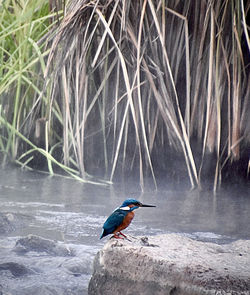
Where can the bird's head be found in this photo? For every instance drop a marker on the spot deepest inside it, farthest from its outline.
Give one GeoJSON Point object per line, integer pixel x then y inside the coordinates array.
{"type": "Point", "coordinates": [131, 203]}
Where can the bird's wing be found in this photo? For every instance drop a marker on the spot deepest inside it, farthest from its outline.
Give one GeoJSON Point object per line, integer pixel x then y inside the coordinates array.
{"type": "Point", "coordinates": [114, 220]}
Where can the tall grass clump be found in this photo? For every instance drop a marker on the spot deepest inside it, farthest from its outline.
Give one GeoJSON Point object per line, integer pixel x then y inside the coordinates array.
{"type": "Point", "coordinates": [137, 81]}
{"type": "Point", "coordinates": [23, 105]}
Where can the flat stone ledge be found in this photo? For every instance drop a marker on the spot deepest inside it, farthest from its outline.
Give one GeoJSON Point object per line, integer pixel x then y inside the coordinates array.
{"type": "Point", "coordinates": [171, 264]}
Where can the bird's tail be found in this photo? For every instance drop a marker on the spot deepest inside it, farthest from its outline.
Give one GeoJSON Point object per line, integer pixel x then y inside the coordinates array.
{"type": "Point", "coordinates": [102, 234]}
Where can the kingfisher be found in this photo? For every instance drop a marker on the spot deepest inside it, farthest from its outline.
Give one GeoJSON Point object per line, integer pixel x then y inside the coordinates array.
{"type": "Point", "coordinates": [121, 218]}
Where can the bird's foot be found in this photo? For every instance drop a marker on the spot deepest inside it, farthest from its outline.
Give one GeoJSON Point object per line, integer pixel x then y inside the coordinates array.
{"type": "Point", "coordinates": [121, 236]}
{"type": "Point", "coordinates": [115, 236]}
{"type": "Point", "coordinates": [120, 233]}
{"type": "Point", "coordinates": [125, 236]}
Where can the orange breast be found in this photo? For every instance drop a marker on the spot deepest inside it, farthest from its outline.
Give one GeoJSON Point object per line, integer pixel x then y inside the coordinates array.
{"type": "Point", "coordinates": [126, 222]}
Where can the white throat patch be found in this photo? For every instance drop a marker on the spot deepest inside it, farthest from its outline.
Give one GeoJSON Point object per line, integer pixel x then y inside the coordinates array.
{"type": "Point", "coordinates": [127, 208]}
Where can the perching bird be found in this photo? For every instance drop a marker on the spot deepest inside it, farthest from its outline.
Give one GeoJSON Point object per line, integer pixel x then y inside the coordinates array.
{"type": "Point", "coordinates": [121, 218]}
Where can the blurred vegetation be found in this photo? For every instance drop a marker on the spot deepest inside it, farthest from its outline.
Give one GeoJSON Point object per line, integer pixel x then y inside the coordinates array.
{"type": "Point", "coordinates": [116, 87]}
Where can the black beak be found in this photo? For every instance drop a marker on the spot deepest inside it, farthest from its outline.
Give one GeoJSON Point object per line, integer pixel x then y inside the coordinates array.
{"type": "Point", "coordinates": [144, 205]}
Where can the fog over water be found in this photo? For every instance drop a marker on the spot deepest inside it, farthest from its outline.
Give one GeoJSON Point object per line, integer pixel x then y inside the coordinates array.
{"type": "Point", "coordinates": [73, 213]}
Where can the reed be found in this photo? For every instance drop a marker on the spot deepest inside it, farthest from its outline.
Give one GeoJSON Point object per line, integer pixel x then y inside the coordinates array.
{"type": "Point", "coordinates": [128, 83]}
{"type": "Point", "coordinates": [23, 23]}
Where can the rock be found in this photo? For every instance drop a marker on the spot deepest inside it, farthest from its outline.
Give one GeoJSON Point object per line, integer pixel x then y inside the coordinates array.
{"type": "Point", "coordinates": [171, 264]}
{"type": "Point", "coordinates": [77, 266]}
{"type": "Point", "coordinates": [9, 222]}
{"type": "Point", "coordinates": [16, 269]}
{"type": "Point", "coordinates": [39, 244]}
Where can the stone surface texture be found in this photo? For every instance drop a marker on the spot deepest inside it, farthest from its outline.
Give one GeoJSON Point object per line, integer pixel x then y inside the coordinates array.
{"type": "Point", "coordinates": [171, 264]}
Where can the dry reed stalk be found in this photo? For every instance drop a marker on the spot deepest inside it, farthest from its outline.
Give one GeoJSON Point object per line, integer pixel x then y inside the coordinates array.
{"type": "Point", "coordinates": [188, 75]}
{"type": "Point", "coordinates": [185, 141]}
{"type": "Point", "coordinates": [138, 59]}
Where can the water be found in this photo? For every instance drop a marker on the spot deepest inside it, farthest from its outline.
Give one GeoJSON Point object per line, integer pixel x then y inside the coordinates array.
{"type": "Point", "coordinates": [73, 213]}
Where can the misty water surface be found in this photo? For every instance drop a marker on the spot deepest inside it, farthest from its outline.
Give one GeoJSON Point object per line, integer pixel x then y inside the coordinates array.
{"type": "Point", "coordinates": [76, 210]}
{"type": "Point", "coordinates": [73, 213]}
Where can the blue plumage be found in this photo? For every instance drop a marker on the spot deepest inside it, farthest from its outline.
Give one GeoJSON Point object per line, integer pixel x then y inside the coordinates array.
{"type": "Point", "coordinates": [121, 217]}
{"type": "Point", "coordinates": [130, 202]}
{"type": "Point", "coordinates": [113, 221]}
